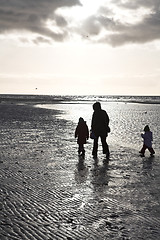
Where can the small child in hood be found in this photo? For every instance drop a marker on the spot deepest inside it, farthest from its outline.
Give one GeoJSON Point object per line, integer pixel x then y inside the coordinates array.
{"type": "Point", "coordinates": [147, 141]}
{"type": "Point", "coordinates": [82, 134]}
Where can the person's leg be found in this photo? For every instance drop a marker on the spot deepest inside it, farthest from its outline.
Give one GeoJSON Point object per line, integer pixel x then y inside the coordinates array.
{"type": "Point", "coordinates": [95, 147]}
{"type": "Point", "coordinates": [105, 146]}
{"type": "Point", "coordinates": [83, 151]}
{"type": "Point", "coordinates": [143, 150]}
{"type": "Point", "coordinates": [79, 148]}
{"type": "Point", "coordinates": [151, 151]}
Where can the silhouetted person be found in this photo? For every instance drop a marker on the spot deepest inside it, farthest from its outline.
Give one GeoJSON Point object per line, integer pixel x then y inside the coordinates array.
{"type": "Point", "coordinates": [82, 133]}
{"type": "Point", "coordinates": [100, 128]}
{"type": "Point", "coordinates": [147, 141]}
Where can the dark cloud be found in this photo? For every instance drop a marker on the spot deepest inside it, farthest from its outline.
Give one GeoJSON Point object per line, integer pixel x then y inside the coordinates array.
{"type": "Point", "coordinates": [116, 32]}
{"type": "Point", "coordinates": [41, 40]}
{"type": "Point", "coordinates": [90, 27]}
{"type": "Point", "coordinates": [154, 4]}
{"type": "Point", "coordinates": [31, 15]}
{"type": "Point", "coordinates": [146, 30]}
{"type": "Point", "coordinates": [60, 21]}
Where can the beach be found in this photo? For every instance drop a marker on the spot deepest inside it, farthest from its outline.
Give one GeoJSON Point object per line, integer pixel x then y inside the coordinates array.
{"type": "Point", "coordinates": [49, 192]}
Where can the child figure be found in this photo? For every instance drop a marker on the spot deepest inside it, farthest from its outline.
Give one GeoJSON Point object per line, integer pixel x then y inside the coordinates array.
{"type": "Point", "coordinates": [147, 136]}
{"type": "Point", "coordinates": [82, 133]}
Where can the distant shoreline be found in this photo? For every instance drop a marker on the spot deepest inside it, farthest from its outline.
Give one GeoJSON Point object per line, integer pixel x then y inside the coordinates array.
{"type": "Point", "coordinates": [65, 99]}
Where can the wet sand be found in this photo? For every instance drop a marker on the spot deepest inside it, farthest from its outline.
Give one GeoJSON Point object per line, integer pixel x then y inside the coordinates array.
{"type": "Point", "coordinates": [48, 192]}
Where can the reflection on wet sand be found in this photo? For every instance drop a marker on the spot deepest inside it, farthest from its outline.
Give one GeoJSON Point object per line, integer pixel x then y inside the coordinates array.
{"type": "Point", "coordinates": [147, 165]}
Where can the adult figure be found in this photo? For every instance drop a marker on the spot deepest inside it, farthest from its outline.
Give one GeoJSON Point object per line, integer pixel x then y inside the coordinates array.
{"type": "Point", "coordinates": [100, 128]}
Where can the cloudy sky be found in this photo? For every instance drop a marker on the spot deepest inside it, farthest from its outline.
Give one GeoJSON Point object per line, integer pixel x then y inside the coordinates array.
{"type": "Point", "coordinates": [80, 47]}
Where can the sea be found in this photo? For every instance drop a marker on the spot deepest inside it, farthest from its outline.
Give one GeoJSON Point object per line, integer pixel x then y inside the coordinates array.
{"type": "Point", "coordinates": [80, 98]}
{"type": "Point", "coordinates": [128, 114]}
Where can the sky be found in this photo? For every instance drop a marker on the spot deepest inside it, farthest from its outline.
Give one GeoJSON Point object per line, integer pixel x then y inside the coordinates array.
{"type": "Point", "coordinates": [70, 47]}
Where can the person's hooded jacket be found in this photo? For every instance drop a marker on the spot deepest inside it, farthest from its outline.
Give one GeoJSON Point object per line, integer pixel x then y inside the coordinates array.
{"type": "Point", "coordinates": [82, 132]}
{"type": "Point", "coordinates": [100, 121]}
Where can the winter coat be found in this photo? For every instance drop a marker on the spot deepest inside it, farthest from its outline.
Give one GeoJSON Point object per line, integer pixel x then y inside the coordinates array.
{"type": "Point", "coordinates": [82, 132]}
{"type": "Point", "coordinates": [148, 138]}
{"type": "Point", "coordinates": [100, 122]}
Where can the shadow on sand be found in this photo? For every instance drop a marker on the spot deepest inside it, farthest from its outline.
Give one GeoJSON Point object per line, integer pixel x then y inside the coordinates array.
{"type": "Point", "coordinates": [82, 172]}
{"type": "Point", "coordinates": [100, 176]}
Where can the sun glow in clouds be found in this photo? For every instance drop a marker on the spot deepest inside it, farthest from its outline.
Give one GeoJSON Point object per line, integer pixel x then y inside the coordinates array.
{"type": "Point", "coordinates": [91, 8]}
{"type": "Point", "coordinates": [96, 20]}
{"type": "Point", "coordinates": [88, 8]}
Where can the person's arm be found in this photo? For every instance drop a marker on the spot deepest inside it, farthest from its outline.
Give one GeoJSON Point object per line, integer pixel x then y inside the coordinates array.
{"type": "Point", "coordinates": [106, 119]}
{"type": "Point", "coordinates": [87, 131]}
{"type": "Point", "coordinates": [76, 132]}
{"type": "Point", "coordinates": [151, 137]}
{"type": "Point", "coordinates": [92, 122]}
{"type": "Point", "coordinates": [142, 135]}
